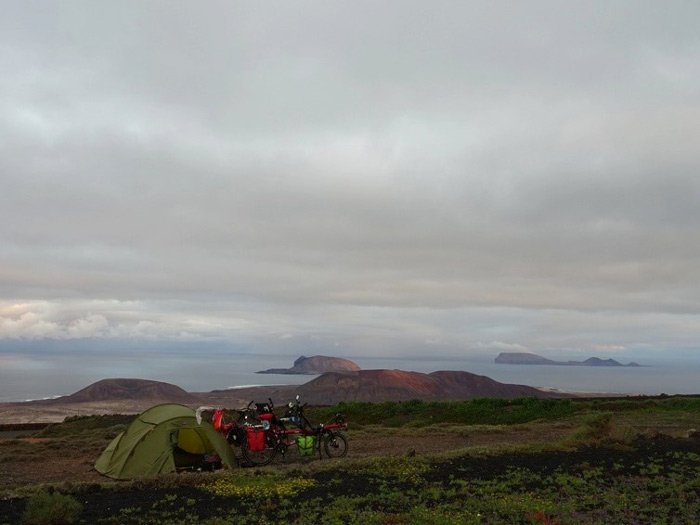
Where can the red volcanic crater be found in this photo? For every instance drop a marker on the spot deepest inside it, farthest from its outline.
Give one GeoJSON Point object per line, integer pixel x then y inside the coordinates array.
{"type": "Point", "coordinates": [400, 385]}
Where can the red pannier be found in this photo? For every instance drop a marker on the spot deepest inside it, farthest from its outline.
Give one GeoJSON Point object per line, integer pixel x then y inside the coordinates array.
{"type": "Point", "coordinates": [256, 439]}
{"type": "Point", "coordinates": [217, 421]}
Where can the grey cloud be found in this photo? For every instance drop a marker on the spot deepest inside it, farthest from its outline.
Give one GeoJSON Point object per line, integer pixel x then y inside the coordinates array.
{"type": "Point", "coordinates": [282, 161]}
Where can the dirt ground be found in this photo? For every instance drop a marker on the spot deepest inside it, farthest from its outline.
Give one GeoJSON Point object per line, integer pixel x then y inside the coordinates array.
{"type": "Point", "coordinates": [661, 451]}
{"type": "Point", "coordinates": [46, 460]}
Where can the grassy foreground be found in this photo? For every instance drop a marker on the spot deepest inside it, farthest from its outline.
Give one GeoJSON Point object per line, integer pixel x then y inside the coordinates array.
{"type": "Point", "coordinates": [590, 461]}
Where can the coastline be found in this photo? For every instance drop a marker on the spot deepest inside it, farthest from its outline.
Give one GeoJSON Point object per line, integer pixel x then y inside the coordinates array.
{"type": "Point", "coordinates": [54, 411]}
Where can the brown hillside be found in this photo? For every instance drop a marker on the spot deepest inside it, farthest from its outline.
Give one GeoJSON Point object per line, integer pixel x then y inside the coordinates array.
{"type": "Point", "coordinates": [129, 396]}
{"type": "Point", "coordinates": [128, 389]}
{"type": "Point", "coordinates": [472, 385]}
{"type": "Point", "coordinates": [399, 385]}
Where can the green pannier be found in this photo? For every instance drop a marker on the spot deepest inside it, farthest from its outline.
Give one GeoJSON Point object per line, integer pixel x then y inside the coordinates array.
{"type": "Point", "coordinates": [305, 444]}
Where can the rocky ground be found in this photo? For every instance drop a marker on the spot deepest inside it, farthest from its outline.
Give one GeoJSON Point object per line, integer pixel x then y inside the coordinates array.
{"type": "Point", "coordinates": [617, 461]}
{"type": "Point", "coordinates": [529, 479]}
{"type": "Point", "coordinates": [54, 460]}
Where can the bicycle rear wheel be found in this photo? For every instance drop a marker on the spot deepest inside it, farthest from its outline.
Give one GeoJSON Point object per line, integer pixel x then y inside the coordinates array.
{"type": "Point", "coordinates": [335, 444]}
{"type": "Point", "coordinates": [258, 458]}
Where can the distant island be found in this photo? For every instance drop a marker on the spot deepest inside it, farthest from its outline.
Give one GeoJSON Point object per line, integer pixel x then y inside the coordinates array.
{"type": "Point", "coordinates": [525, 358]}
{"type": "Point", "coordinates": [318, 364]}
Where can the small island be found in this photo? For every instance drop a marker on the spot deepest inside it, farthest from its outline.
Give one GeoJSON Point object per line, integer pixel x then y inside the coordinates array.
{"type": "Point", "coordinates": [318, 364]}
{"type": "Point", "coordinates": [526, 358]}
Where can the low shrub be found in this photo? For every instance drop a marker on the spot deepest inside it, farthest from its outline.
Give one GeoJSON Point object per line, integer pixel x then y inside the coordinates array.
{"type": "Point", "coordinates": [596, 427]}
{"type": "Point", "coordinates": [52, 508]}
{"type": "Point", "coordinates": [75, 425]}
{"type": "Point", "coordinates": [484, 411]}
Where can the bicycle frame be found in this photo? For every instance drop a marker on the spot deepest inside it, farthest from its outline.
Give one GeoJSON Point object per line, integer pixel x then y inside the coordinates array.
{"type": "Point", "coordinates": [304, 428]}
{"type": "Point", "coordinates": [277, 437]}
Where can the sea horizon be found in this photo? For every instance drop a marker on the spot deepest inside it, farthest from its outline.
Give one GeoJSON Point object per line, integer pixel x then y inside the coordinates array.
{"type": "Point", "coordinates": [38, 378]}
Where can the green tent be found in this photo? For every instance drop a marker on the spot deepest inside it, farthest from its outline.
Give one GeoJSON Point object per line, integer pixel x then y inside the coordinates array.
{"type": "Point", "coordinates": [162, 439]}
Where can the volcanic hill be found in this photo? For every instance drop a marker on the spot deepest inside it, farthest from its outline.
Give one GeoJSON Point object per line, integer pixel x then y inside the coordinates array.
{"type": "Point", "coordinates": [128, 389]}
{"type": "Point", "coordinates": [400, 385]}
{"type": "Point", "coordinates": [128, 396]}
{"type": "Point", "coordinates": [317, 364]}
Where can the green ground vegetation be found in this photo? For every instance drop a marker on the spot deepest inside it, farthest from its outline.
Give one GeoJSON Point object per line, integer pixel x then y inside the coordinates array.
{"type": "Point", "coordinates": [624, 461]}
{"type": "Point", "coordinates": [489, 411]}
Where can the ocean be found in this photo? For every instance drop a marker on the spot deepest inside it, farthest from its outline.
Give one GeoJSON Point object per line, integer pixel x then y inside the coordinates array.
{"type": "Point", "coordinates": [25, 376]}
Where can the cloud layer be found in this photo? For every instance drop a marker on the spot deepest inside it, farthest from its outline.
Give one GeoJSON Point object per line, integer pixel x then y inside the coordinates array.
{"type": "Point", "coordinates": [381, 176]}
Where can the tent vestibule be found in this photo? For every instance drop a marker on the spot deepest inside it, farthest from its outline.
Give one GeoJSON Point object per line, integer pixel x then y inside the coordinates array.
{"type": "Point", "coordinates": [162, 439]}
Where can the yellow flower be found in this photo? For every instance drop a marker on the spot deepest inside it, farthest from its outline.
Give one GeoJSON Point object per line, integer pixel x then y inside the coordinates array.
{"type": "Point", "coordinates": [258, 487]}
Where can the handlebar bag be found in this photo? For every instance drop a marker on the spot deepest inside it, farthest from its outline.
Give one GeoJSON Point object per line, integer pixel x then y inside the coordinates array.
{"type": "Point", "coordinates": [305, 445]}
{"type": "Point", "coordinates": [256, 439]}
{"type": "Point", "coordinates": [268, 416]}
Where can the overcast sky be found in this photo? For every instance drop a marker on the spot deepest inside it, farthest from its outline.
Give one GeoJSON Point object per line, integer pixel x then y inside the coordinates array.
{"type": "Point", "coordinates": [352, 178]}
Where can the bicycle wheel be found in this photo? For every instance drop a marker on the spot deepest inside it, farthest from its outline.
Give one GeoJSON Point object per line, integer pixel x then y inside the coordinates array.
{"type": "Point", "coordinates": [258, 458]}
{"type": "Point", "coordinates": [335, 444]}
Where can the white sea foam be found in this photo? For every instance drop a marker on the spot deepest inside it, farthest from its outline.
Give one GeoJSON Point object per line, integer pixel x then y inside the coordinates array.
{"type": "Point", "coordinates": [44, 398]}
{"type": "Point", "coordinates": [238, 387]}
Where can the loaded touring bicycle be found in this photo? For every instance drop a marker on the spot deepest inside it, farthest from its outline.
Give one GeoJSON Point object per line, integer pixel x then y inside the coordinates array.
{"type": "Point", "coordinates": [261, 435]}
